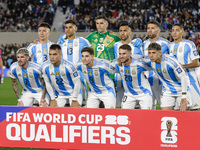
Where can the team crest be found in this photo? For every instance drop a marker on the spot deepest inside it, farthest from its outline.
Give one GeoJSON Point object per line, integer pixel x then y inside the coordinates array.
{"type": "Point", "coordinates": [158, 69]}
{"type": "Point", "coordinates": [30, 75]}
{"type": "Point", "coordinates": [25, 75]}
{"type": "Point", "coordinates": [164, 71]}
{"type": "Point", "coordinates": [96, 73]}
{"type": "Point", "coordinates": [133, 72]}
{"type": "Point", "coordinates": [19, 75]}
{"type": "Point", "coordinates": [121, 71]}
{"type": "Point", "coordinates": [70, 44]}
{"type": "Point", "coordinates": [180, 50]}
{"type": "Point", "coordinates": [52, 74]}
{"type": "Point", "coordinates": [44, 50]}
{"type": "Point", "coordinates": [62, 74]}
{"type": "Point", "coordinates": [127, 71]}
{"type": "Point", "coordinates": [175, 50]}
{"type": "Point", "coordinates": [101, 40]}
{"type": "Point", "coordinates": [84, 72]}
{"type": "Point", "coordinates": [75, 43]}
{"type": "Point", "coordinates": [57, 73]}
{"type": "Point", "coordinates": [39, 51]}
{"type": "Point", "coordinates": [90, 72]}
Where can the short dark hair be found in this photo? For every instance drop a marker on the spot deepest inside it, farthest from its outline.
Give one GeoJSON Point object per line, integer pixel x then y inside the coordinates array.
{"type": "Point", "coordinates": [178, 24]}
{"type": "Point", "coordinates": [55, 46]}
{"type": "Point", "coordinates": [126, 47]}
{"type": "Point", "coordinates": [44, 24]}
{"type": "Point", "coordinates": [154, 22]}
{"type": "Point", "coordinates": [154, 46]}
{"type": "Point", "coordinates": [70, 21]}
{"type": "Point", "coordinates": [102, 17]}
{"type": "Point", "coordinates": [88, 49]}
{"type": "Point", "coordinates": [124, 23]}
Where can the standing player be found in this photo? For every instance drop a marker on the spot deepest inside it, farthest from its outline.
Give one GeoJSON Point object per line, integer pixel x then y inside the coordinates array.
{"type": "Point", "coordinates": [29, 75]}
{"type": "Point", "coordinates": [39, 52]}
{"type": "Point", "coordinates": [137, 88]}
{"type": "Point", "coordinates": [186, 53]}
{"type": "Point", "coordinates": [153, 30]}
{"type": "Point", "coordinates": [175, 91]}
{"type": "Point", "coordinates": [125, 35]}
{"type": "Point", "coordinates": [96, 72]}
{"type": "Point", "coordinates": [1, 67]}
{"type": "Point", "coordinates": [72, 46]}
{"type": "Point", "coordinates": [62, 79]}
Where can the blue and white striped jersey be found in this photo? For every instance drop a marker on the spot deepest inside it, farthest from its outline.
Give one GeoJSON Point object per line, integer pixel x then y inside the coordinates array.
{"type": "Point", "coordinates": [62, 39]}
{"type": "Point", "coordinates": [164, 49]}
{"type": "Point", "coordinates": [30, 78]}
{"type": "Point", "coordinates": [163, 43]}
{"type": "Point", "coordinates": [135, 50]}
{"type": "Point", "coordinates": [71, 49]}
{"type": "Point", "coordinates": [39, 53]}
{"type": "Point", "coordinates": [133, 77]}
{"type": "Point", "coordinates": [169, 71]}
{"type": "Point", "coordinates": [97, 76]}
{"type": "Point", "coordinates": [60, 80]}
{"type": "Point", "coordinates": [185, 51]}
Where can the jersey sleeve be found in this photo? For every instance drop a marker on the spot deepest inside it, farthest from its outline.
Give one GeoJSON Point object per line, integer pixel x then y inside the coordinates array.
{"type": "Point", "coordinates": [165, 48]}
{"type": "Point", "coordinates": [193, 51]}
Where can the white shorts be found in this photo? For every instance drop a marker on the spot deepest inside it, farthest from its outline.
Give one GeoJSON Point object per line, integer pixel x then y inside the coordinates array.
{"type": "Point", "coordinates": [94, 99]}
{"type": "Point", "coordinates": [29, 98]}
{"type": "Point", "coordinates": [119, 89]}
{"type": "Point", "coordinates": [129, 101]}
{"type": "Point", "coordinates": [168, 100]}
{"type": "Point", "coordinates": [62, 100]}
{"type": "Point", "coordinates": [195, 98]}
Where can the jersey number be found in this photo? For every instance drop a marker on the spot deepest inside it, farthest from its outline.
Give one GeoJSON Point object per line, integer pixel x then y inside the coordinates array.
{"type": "Point", "coordinates": [45, 58]}
{"type": "Point", "coordinates": [69, 51]}
{"type": "Point", "coordinates": [59, 81]}
{"type": "Point", "coordinates": [128, 78]}
{"type": "Point", "coordinates": [100, 47]}
{"type": "Point", "coordinates": [91, 79]}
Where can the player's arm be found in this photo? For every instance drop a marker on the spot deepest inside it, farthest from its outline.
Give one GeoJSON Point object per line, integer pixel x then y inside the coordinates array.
{"type": "Point", "coordinates": [16, 90]}
{"type": "Point", "coordinates": [137, 42]}
{"type": "Point", "coordinates": [43, 102]}
{"type": "Point", "coordinates": [75, 94]}
{"type": "Point", "coordinates": [194, 64]}
{"type": "Point", "coordinates": [1, 67]}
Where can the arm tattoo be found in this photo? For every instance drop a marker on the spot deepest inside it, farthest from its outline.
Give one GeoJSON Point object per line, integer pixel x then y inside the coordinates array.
{"type": "Point", "coordinates": [15, 88]}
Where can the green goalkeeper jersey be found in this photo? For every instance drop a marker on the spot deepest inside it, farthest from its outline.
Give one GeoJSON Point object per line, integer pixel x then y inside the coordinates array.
{"type": "Point", "coordinates": [103, 44]}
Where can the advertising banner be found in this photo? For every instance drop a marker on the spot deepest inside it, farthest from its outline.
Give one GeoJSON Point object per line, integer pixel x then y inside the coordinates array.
{"type": "Point", "coordinates": [84, 128]}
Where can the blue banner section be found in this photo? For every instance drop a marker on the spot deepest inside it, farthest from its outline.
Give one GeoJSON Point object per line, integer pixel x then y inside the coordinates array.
{"type": "Point", "coordinates": [4, 109]}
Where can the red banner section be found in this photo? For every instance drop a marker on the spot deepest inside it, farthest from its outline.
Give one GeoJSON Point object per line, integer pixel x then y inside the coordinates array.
{"type": "Point", "coordinates": [84, 128]}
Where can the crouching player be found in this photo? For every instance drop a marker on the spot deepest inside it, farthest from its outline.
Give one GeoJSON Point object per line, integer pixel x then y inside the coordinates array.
{"type": "Point", "coordinates": [176, 90]}
{"type": "Point", "coordinates": [96, 72]}
{"type": "Point", "coordinates": [136, 86]}
{"type": "Point", "coordinates": [29, 75]}
{"type": "Point", "coordinates": [62, 80]}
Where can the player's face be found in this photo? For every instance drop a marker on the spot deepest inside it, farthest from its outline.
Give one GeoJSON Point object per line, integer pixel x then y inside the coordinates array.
{"type": "Point", "coordinates": [101, 25]}
{"type": "Point", "coordinates": [152, 31]}
{"type": "Point", "coordinates": [43, 33]}
{"type": "Point", "coordinates": [177, 33]}
{"type": "Point", "coordinates": [124, 32]}
{"type": "Point", "coordinates": [22, 60]}
{"type": "Point", "coordinates": [70, 29]}
{"type": "Point", "coordinates": [55, 57]}
{"type": "Point", "coordinates": [154, 55]}
{"type": "Point", "coordinates": [86, 58]}
{"type": "Point", "coordinates": [124, 55]}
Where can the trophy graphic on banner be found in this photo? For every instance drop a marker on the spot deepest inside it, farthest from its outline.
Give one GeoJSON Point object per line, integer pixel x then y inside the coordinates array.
{"type": "Point", "coordinates": [169, 126]}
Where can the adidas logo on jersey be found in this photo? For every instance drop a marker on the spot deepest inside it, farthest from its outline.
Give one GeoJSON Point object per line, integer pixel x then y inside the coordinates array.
{"type": "Point", "coordinates": [196, 105]}
{"type": "Point", "coordinates": [39, 51]}
{"type": "Point", "coordinates": [52, 73]}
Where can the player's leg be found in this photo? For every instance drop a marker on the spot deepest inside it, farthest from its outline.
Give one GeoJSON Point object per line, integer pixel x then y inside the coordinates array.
{"type": "Point", "coordinates": [167, 102]}
{"type": "Point", "coordinates": [178, 101]}
{"type": "Point", "coordinates": [128, 102]}
{"type": "Point", "coordinates": [93, 100]}
{"type": "Point", "coordinates": [145, 101]}
{"type": "Point", "coordinates": [62, 100]}
{"type": "Point", "coordinates": [109, 99]}
{"type": "Point", "coordinates": [27, 98]}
